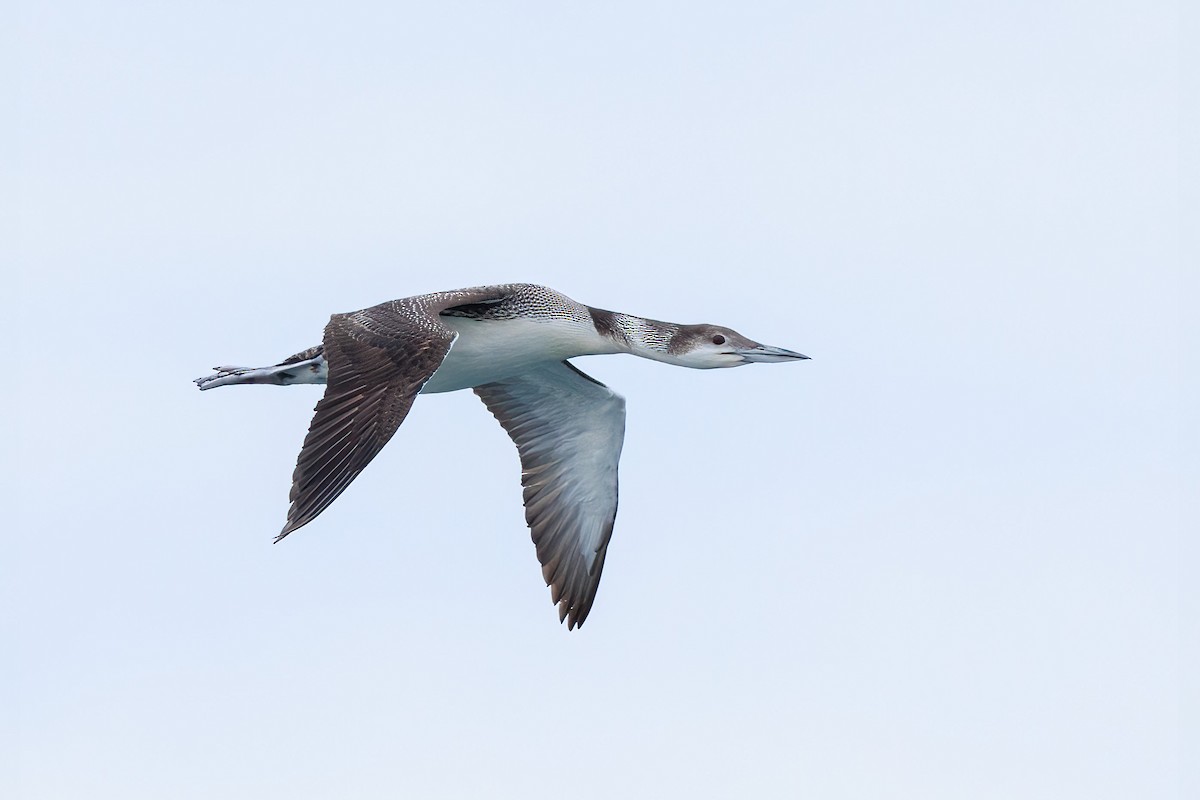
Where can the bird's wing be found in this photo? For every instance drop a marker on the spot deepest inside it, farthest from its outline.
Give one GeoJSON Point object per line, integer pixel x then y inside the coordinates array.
{"type": "Point", "coordinates": [568, 429]}
{"type": "Point", "coordinates": [379, 358]}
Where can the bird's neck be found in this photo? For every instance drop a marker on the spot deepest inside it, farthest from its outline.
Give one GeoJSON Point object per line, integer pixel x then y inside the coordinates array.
{"type": "Point", "coordinates": [648, 338]}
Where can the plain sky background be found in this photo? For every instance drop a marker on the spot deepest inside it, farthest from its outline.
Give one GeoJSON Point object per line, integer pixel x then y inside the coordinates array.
{"type": "Point", "coordinates": [943, 559]}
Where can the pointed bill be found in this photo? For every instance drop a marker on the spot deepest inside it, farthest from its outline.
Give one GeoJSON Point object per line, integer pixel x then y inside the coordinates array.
{"type": "Point", "coordinates": [765, 354]}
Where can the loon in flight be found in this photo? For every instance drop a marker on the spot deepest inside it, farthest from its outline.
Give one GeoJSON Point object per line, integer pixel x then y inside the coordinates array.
{"type": "Point", "coordinates": [510, 344]}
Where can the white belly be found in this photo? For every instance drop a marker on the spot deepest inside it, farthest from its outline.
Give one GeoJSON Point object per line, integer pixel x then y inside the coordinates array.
{"type": "Point", "coordinates": [491, 350]}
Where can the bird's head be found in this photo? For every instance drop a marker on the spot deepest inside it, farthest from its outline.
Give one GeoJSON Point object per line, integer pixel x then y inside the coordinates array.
{"type": "Point", "coordinates": [711, 346]}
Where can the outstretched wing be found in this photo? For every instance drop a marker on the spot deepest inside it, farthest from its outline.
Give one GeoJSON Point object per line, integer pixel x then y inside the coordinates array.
{"type": "Point", "coordinates": [568, 429]}
{"type": "Point", "coordinates": [378, 360]}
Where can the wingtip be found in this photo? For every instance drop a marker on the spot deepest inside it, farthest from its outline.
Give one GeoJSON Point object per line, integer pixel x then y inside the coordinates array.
{"type": "Point", "coordinates": [572, 616]}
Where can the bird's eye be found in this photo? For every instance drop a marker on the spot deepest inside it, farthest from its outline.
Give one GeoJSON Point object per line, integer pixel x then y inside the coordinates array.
{"type": "Point", "coordinates": [718, 339]}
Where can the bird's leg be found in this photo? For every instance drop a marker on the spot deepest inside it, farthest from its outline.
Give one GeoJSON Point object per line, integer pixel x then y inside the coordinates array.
{"type": "Point", "coordinates": [312, 370]}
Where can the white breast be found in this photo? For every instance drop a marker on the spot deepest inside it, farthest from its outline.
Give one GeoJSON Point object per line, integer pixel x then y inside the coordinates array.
{"type": "Point", "coordinates": [491, 350]}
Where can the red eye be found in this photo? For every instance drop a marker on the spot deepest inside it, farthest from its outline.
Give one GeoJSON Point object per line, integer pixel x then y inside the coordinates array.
{"type": "Point", "coordinates": [718, 339]}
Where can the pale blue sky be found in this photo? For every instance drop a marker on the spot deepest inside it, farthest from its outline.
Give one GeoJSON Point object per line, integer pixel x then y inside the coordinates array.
{"type": "Point", "coordinates": [940, 560]}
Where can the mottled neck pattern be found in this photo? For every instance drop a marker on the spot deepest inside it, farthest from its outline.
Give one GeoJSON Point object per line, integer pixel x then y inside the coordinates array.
{"type": "Point", "coordinates": [635, 333]}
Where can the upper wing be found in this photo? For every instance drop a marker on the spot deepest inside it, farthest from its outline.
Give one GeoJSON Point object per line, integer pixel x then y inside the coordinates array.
{"type": "Point", "coordinates": [378, 360]}
{"type": "Point", "coordinates": [568, 429]}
